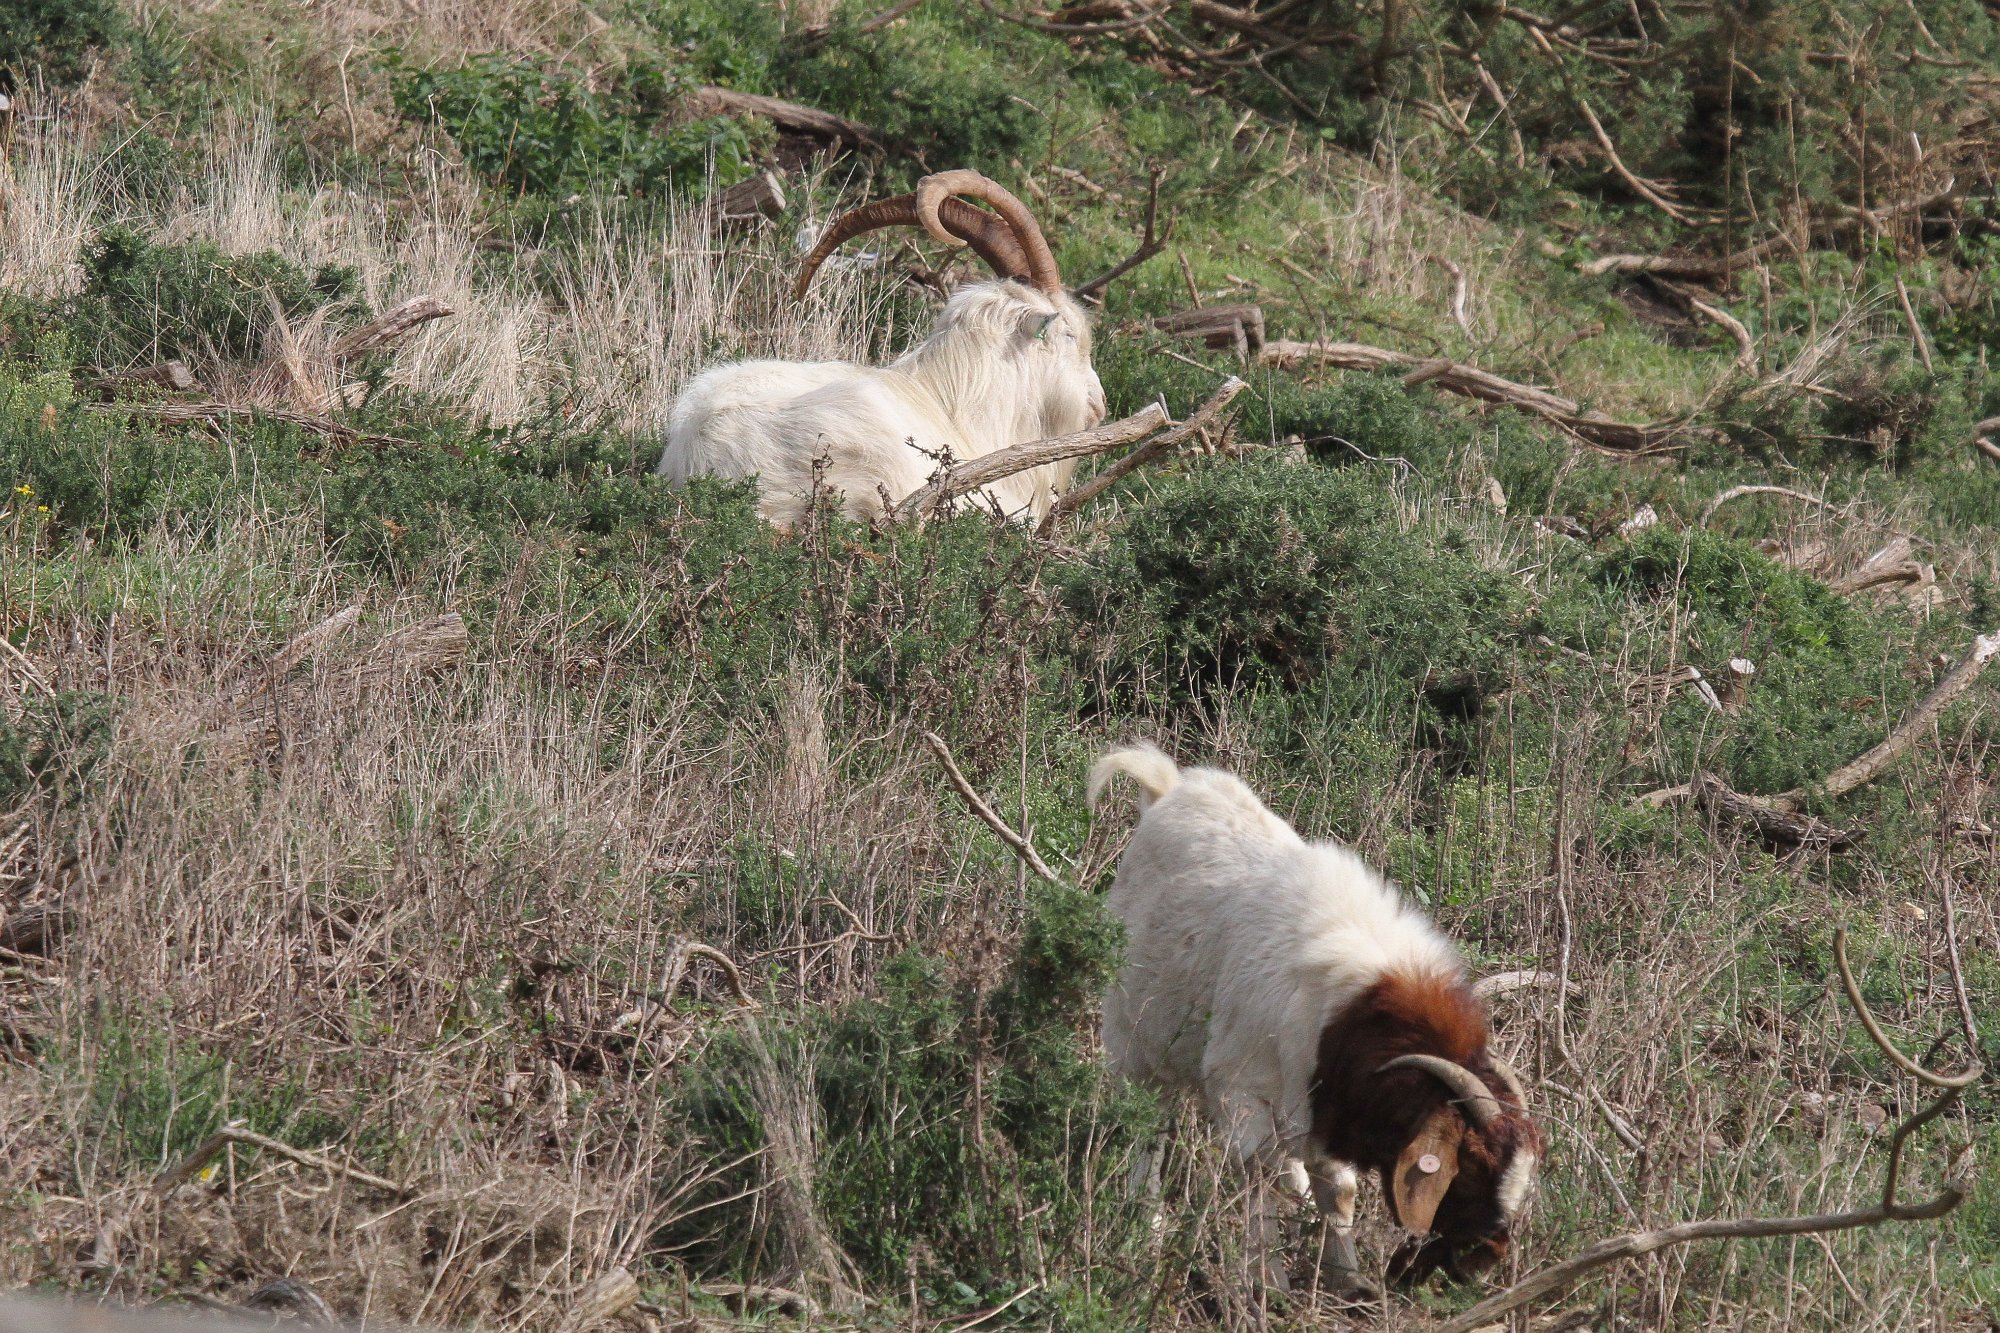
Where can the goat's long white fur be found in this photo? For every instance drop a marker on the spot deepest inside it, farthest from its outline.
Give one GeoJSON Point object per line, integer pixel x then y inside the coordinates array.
{"type": "Point", "coordinates": [1005, 364]}
{"type": "Point", "coordinates": [1242, 940]}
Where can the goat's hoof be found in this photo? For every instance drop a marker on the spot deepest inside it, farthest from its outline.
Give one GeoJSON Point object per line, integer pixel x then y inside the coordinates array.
{"type": "Point", "coordinates": [1348, 1291]}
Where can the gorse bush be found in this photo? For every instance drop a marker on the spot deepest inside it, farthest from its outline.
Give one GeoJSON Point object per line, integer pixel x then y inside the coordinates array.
{"type": "Point", "coordinates": [549, 132]}
{"type": "Point", "coordinates": [1264, 571]}
{"type": "Point", "coordinates": [959, 1072]}
{"type": "Point", "coordinates": [55, 39]}
{"type": "Point", "coordinates": [144, 300]}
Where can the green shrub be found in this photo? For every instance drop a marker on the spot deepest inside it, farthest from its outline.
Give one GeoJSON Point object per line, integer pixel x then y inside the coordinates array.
{"type": "Point", "coordinates": [52, 744]}
{"type": "Point", "coordinates": [896, 1077]}
{"type": "Point", "coordinates": [55, 39]}
{"type": "Point", "coordinates": [1260, 570]}
{"type": "Point", "coordinates": [548, 132]}
{"type": "Point", "coordinates": [143, 300]}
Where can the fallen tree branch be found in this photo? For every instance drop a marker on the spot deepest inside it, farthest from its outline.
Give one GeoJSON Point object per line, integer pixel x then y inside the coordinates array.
{"type": "Point", "coordinates": [1507, 983]}
{"type": "Point", "coordinates": [974, 802]}
{"type": "Point", "coordinates": [1865, 768]}
{"type": "Point", "coordinates": [787, 116]}
{"type": "Point", "coordinates": [1157, 447]}
{"type": "Point", "coordinates": [958, 478]}
{"type": "Point", "coordinates": [173, 375]}
{"type": "Point", "coordinates": [1982, 438]}
{"type": "Point", "coordinates": [1779, 814]}
{"type": "Point", "coordinates": [1560, 1277]}
{"type": "Point", "coordinates": [1738, 492]}
{"type": "Point", "coordinates": [235, 1133]}
{"type": "Point", "coordinates": [221, 414]}
{"type": "Point", "coordinates": [398, 324]}
{"type": "Point", "coordinates": [1600, 432]}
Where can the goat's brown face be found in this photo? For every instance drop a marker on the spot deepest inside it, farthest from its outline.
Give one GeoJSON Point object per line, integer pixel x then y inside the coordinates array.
{"type": "Point", "coordinates": [1472, 1229]}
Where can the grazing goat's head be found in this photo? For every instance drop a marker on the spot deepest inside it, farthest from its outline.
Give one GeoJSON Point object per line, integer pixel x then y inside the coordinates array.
{"type": "Point", "coordinates": [1407, 1087]}
{"type": "Point", "coordinates": [1012, 355]}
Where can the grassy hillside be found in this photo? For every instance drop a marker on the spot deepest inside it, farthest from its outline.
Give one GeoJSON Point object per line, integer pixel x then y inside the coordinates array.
{"type": "Point", "coordinates": [391, 767]}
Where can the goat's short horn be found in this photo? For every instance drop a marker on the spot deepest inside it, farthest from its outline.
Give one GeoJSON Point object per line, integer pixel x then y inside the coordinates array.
{"type": "Point", "coordinates": [1474, 1098]}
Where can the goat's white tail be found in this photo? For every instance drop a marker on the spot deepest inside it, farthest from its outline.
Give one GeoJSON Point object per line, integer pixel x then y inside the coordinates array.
{"type": "Point", "coordinates": [1142, 762]}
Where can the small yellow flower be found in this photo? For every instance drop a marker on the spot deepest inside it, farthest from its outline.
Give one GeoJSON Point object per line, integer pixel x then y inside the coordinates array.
{"type": "Point", "coordinates": [41, 509]}
{"type": "Point", "coordinates": [24, 490]}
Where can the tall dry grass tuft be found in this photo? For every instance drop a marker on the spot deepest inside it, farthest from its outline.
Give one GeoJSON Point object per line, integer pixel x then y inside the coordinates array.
{"type": "Point", "coordinates": [49, 201]}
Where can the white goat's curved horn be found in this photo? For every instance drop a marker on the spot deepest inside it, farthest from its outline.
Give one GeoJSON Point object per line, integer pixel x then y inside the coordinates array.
{"type": "Point", "coordinates": [963, 224]}
{"type": "Point", "coordinates": [932, 192]}
{"type": "Point", "coordinates": [1481, 1107]}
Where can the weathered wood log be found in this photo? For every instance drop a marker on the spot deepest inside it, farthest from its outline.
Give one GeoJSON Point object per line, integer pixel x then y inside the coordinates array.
{"type": "Point", "coordinates": [762, 196]}
{"type": "Point", "coordinates": [35, 929]}
{"type": "Point", "coordinates": [173, 375]}
{"type": "Point", "coordinates": [1606, 434]}
{"type": "Point", "coordinates": [604, 1299]}
{"type": "Point", "coordinates": [786, 116]}
{"type": "Point", "coordinates": [1239, 326]}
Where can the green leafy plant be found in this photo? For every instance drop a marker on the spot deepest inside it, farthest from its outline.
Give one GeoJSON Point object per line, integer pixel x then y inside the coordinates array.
{"type": "Point", "coordinates": [549, 132]}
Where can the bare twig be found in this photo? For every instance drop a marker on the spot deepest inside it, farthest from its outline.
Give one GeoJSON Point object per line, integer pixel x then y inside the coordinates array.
{"type": "Point", "coordinates": [985, 813]}
{"type": "Point", "coordinates": [1916, 329]}
{"type": "Point", "coordinates": [1958, 974]}
{"type": "Point", "coordinates": [1157, 447]}
{"type": "Point", "coordinates": [1151, 242]}
{"type": "Point", "coordinates": [959, 478]}
{"type": "Point", "coordinates": [235, 1133]}
{"type": "Point", "coordinates": [1459, 290]}
{"type": "Point", "coordinates": [29, 672]}
{"type": "Point", "coordinates": [1560, 1277]}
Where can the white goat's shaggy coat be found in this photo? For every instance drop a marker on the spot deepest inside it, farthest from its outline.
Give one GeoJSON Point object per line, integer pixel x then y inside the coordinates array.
{"type": "Point", "coordinates": [1005, 364]}
{"type": "Point", "coordinates": [1242, 941]}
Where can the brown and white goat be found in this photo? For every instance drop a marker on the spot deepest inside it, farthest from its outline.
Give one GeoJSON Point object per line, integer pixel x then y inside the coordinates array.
{"type": "Point", "coordinates": [1324, 1021]}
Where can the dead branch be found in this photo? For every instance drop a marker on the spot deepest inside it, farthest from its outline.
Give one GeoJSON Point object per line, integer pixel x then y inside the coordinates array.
{"type": "Point", "coordinates": [1600, 432]}
{"type": "Point", "coordinates": [1746, 347]}
{"type": "Point", "coordinates": [235, 1133]}
{"type": "Point", "coordinates": [1982, 438]}
{"type": "Point", "coordinates": [730, 972]}
{"type": "Point", "coordinates": [1458, 293]}
{"type": "Point", "coordinates": [393, 327]}
{"type": "Point", "coordinates": [218, 415]}
{"type": "Point", "coordinates": [1868, 766]}
{"type": "Point", "coordinates": [1022, 847]}
{"type": "Point", "coordinates": [1738, 492]}
{"type": "Point", "coordinates": [787, 116]}
{"type": "Point", "coordinates": [1779, 816]}
{"type": "Point", "coordinates": [1075, 29]}
{"type": "Point", "coordinates": [1916, 329]}
{"type": "Point", "coordinates": [761, 196]}
{"type": "Point", "coordinates": [1157, 447]}
{"type": "Point", "coordinates": [29, 672]}
{"type": "Point", "coordinates": [1151, 242]}
{"type": "Point", "coordinates": [1560, 1277]}
{"type": "Point", "coordinates": [958, 478]}
{"type": "Point", "coordinates": [308, 642]}
{"type": "Point", "coordinates": [1507, 983]}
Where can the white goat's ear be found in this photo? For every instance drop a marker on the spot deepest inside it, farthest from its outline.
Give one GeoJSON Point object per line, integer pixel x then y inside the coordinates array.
{"type": "Point", "coordinates": [1426, 1169]}
{"type": "Point", "coordinates": [1038, 325]}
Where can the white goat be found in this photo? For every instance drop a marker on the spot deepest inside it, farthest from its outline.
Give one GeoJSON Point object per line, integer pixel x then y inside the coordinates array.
{"type": "Point", "coordinates": [1324, 1021]}
{"type": "Point", "coordinates": [1006, 363]}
